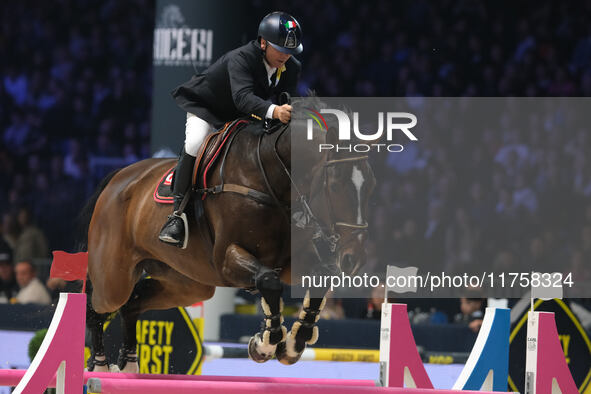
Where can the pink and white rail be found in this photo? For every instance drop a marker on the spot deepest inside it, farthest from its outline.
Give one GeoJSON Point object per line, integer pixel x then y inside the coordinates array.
{"type": "Point", "coordinates": [59, 363]}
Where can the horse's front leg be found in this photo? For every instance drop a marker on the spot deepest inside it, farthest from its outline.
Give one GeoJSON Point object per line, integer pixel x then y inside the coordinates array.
{"type": "Point", "coordinates": [244, 270]}
{"type": "Point", "coordinates": [304, 330]}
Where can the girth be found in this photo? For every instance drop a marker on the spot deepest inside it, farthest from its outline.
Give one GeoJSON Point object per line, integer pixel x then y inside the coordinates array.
{"type": "Point", "coordinates": [256, 195]}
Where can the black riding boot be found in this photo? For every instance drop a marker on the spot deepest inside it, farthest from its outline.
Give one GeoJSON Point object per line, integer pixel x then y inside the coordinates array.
{"type": "Point", "coordinates": [173, 231]}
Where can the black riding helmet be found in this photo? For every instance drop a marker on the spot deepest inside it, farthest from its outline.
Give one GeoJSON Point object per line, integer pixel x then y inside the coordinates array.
{"type": "Point", "coordinates": [282, 32]}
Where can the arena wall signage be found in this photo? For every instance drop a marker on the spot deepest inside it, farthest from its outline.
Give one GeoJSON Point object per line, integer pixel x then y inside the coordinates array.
{"type": "Point", "coordinates": [168, 342]}
{"type": "Point", "coordinates": [182, 46]}
{"type": "Point", "coordinates": [188, 37]}
{"type": "Point", "coordinates": [573, 338]}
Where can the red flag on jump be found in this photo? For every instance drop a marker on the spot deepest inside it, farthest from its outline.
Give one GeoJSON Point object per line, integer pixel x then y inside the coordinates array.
{"type": "Point", "coordinates": [69, 266]}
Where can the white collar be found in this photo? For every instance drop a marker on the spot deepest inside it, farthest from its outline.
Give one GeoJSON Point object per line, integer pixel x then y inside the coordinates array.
{"type": "Point", "coordinates": [270, 70]}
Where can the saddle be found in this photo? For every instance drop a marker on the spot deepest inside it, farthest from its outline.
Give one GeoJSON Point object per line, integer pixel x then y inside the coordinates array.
{"type": "Point", "coordinates": [208, 154]}
{"type": "Point", "coordinates": [210, 151]}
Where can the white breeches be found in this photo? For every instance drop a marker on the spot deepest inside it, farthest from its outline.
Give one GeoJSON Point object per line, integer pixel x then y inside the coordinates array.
{"type": "Point", "coordinates": [195, 131]}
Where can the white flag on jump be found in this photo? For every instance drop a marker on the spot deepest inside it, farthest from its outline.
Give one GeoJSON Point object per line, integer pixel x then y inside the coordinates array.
{"type": "Point", "coordinates": [401, 280]}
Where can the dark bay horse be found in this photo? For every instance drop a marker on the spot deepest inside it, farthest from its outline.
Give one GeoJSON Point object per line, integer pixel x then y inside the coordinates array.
{"type": "Point", "coordinates": [250, 245]}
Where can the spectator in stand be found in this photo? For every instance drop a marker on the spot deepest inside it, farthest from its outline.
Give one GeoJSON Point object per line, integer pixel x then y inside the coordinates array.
{"type": "Point", "coordinates": [407, 244]}
{"type": "Point", "coordinates": [578, 267]}
{"type": "Point", "coordinates": [461, 239]}
{"type": "Point", "coordinates": [31, 242]}
{"type": "Point", "coordinates": [472, 312]}
{"type": "Point", "coordinates": [8, 285]}
{"type": "Point", "coordinates": [434, 236]}
{"type": "Point", "coordinates": [31, 290]}
{"type": "Point", "coordinates": [373, 309]}
{"type": "Point", "coordinates": [333, 308]}
{"type": "Point", "coordinates": [15, 84]}
{"type": "Point", "coordinates": [72, 164]}
{"type": "Point", "coordinates": [55, 287]}
{"type": "Point", "coordinates": [10, 229]}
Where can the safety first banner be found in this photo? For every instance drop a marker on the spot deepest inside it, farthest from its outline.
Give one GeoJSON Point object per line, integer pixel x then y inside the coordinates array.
{"type": "Point", "coordinates": [168, 342]}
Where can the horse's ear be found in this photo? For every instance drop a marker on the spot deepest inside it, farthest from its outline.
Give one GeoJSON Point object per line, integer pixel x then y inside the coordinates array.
{"type": "Point", "coordinates": [332, 136]}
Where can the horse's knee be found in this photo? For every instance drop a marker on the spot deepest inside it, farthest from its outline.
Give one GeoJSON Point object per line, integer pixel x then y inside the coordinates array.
{"type": "Point", "coordinates": [269, 284]}
{"type": "Point", "coordinates": [94, 319]}
{"type": "Point", "coordinates": [104, 303]}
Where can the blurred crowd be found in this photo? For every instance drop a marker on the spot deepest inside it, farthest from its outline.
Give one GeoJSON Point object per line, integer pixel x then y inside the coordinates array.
{"type": "Point", "coordinates": [75, 96]}
{"type": "Point", "coordinates": [75, 99]}
{"type": "Point", "coordinates": [510, 194]}
{"type": "Point", "coordinates": [512, 197]}
{"type": "Point", "coordinates": [445, 48]}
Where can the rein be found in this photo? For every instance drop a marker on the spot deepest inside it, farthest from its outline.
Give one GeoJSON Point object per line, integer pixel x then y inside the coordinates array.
{"type": "Point", "coordinates": [325, 239]}
{"type": "Point", "coordinates": [283, 127]}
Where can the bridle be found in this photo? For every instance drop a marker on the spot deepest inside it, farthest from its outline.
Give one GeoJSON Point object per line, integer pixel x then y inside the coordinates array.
{"type": "Point", "coordinates": [362, 226]}
{"type": "Point", "coordinates": [329, 235]}
{"type": "Point", "coordinates": [325, 238]}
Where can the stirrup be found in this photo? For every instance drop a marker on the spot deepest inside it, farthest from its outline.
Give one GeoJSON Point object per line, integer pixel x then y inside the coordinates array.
{"type": "Point", "coordinates": [171, 241]}
{"type": "Point", "coordinates": [183, 217]}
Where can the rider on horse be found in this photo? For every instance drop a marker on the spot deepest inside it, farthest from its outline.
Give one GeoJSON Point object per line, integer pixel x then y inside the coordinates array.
{"type": "Point", "coordinates": [243, 82]}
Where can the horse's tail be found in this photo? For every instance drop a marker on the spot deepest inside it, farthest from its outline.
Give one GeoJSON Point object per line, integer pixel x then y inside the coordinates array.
{"type": "Point", "coordinates": [86, 213]}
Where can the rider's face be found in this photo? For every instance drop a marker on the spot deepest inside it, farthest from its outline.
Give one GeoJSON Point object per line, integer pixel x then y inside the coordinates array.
{"type": "Point", "coordinates": [275, 58]}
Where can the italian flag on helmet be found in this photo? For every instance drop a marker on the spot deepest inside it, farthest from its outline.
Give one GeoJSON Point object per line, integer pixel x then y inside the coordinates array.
{"type": "Point", "coordinates": [290, 25]}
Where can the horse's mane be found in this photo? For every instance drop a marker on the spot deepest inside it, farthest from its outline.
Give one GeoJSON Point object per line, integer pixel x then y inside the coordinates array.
{"type": "Point", "coordinates": [300, 114]}
{"type": "Point", "coordinates": [309, 101]}
{"type": "Point", "coordinates": [314, 102]}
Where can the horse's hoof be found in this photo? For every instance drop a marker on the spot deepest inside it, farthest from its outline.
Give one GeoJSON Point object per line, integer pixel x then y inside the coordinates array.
{"type": "Point", "coordinates": [286, 357]}
{"type": "Point", "coordinates": [100, 368]}
{"type": "Point", "coordinates": [97, 363]}
{"type": "Point", "coordinates": [127, 361]}
{"type": "Point", "coordinates": [113, 368]}
{"type": "Point", "coordinates": [130, 368]}
{"type": "Point", "coordinates": [258, 351]}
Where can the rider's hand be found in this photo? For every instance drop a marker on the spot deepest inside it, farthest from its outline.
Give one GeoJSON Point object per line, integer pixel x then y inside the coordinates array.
{"type": "Point", "coordinates": [282, 112]}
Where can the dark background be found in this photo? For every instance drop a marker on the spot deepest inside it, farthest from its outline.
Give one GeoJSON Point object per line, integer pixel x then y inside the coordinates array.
{"type": "Point", "coordinates": [76, 99]}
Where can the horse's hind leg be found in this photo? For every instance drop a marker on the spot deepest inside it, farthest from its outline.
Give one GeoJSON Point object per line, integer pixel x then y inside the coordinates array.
{"type": "Point", "coordinates": [127, 361]}
{"type": "Point", "coordinates": [94, 322]}
{"type": "Point", "coordinates": [304, 330]}
{"type": "Point", "coordinates": [166, 289]}
{"type": "Point", "coordinates": [112, 281]}
{"type": "Point", "coordinates": [244, 270]}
